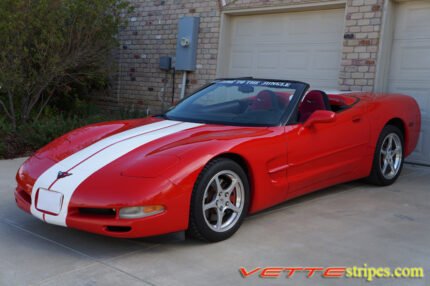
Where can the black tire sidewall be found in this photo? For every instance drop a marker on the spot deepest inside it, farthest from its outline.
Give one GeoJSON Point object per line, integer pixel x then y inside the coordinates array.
{"type": "Point", "coordinates": [197, 214]}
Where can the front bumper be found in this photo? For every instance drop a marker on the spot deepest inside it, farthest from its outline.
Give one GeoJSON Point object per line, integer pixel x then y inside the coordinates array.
{"type": "Point", "coordinates": [123, 228]}
{"type": "Point", "coordinates": [173, 219]}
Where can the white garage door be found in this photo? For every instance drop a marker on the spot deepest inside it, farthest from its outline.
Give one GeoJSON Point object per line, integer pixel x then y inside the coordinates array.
{"type": "Point", "coordinates": [410, 65]}
{"type": "Point", "coordinates": [303, 46]}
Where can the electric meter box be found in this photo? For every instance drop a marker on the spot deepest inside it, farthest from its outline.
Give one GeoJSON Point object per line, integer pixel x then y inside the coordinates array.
{"type": "Point", "coordinates": [186, 46]}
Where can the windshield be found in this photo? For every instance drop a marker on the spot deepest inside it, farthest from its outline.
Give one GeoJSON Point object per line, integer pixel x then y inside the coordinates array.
{"type": "Point", "coordinates": [240, 102]}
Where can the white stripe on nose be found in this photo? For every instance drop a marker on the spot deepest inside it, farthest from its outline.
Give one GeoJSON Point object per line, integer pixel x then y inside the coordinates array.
{"type": "Point", "coordinates": [89, 160]}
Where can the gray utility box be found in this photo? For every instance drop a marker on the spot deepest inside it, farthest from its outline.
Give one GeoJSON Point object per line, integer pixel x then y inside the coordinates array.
{"type": "Point", "coordinates": [186, 46]}
{"type": "Point", "coordinates": [165, 63]}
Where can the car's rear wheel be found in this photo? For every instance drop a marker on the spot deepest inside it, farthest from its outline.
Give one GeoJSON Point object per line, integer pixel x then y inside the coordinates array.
{"type": "Point", "coordinates": [388, 158]}
{"type": "Point", "coordinates": [219, 201]}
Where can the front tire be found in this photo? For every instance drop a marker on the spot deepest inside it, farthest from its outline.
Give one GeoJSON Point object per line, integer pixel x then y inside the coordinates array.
{"type": "Point", "coordinates": [388, 157]}
{"type": "Point", "coordinates": [219, 202]}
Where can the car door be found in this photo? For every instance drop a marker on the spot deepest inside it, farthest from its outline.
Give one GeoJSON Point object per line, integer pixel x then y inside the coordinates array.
{"type": "Point", "coordinates": [327, 153]}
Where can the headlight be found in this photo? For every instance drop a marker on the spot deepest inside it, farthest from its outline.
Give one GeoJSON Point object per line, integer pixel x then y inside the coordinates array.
{"type": "Point", "coordinates": [140, 212]}
{"type": "Point", "coordinates": [20, 173]}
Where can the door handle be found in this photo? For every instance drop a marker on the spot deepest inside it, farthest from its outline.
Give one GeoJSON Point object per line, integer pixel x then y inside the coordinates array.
{"type": "Point", "coordinates": [356, 119]}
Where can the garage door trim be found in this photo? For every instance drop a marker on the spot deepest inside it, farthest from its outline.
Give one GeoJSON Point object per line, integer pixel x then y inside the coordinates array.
{"type": "Point", "coordinates": [287, 8]}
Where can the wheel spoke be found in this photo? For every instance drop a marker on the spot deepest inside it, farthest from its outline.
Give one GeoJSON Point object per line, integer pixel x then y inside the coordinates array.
{"type": "Point", "coordinates": [210, 205]}
{"type": "Point", "coordinates": [397, 150]}
{"type": "Point", "coordinates": [218, 185]}
{"type": "Point", "coordinates": [233, 207]}
{"type": "Point", "coordinates": [393, 170]}
{"type": "Point", "coordinates": [232, 186]}
{"type": "Point", "coordinates": [220, 215]}
{"type": "Point", "coordinates": [384, 167]}
{"type": "Point", "coordinates": [390, 143]}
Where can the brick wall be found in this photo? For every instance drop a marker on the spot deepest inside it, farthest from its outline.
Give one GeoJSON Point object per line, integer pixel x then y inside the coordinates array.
{"type": "Point", "coordinates": [152, 33]}
{"type": "Point", "coordinates": [360, 46]}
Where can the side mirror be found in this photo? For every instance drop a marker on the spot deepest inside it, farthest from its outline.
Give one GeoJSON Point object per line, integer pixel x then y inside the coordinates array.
{"type": "Point", "coordinates": [320, 116]}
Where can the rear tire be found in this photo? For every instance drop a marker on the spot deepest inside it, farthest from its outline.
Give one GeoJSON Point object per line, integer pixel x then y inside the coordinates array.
{"type": "Point", "coordinates": [219, 202]}
{"type": "Point", "coordinates": [388, 157]}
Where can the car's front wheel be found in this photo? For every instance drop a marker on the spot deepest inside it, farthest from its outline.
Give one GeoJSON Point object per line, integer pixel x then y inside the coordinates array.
{"type": "Point", "coordinates": [388, 158]}
{"type": "Point", "coordinates": [219, 201]}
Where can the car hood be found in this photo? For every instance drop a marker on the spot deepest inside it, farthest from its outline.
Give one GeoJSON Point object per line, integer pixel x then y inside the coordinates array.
{"type": "Point", "coordinates": [83, 137]}
{"type": "Point", "coordinates": [152, 136]}
{"type": "Point", "coordinates": [125, 144]}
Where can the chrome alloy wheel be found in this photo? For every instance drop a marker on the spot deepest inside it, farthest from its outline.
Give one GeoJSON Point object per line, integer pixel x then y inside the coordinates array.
{"type": "Point", "coordinates": [223, 201]}
{"type": "Point", "coordinates": [391, 156]}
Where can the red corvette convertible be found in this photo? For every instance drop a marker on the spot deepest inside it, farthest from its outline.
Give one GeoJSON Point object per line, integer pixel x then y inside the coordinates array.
{"type": "Point", "coordinates": [234, 147]}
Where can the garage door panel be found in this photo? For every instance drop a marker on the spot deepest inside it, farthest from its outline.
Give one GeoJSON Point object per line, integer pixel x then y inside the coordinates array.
{"type": "Point", "coordinates": [411, 60]}
{"type": "Point", "coordinates": [303, 46]}
{"type": "Point", "coordinates": [295, 59]}
{"type": "Point", "coordinates": [241, 59]}
{"type": "Point", "coordinates": [273, 27]}
{"type": "Point", "coordinates": [268, 59]}
{"type": "Point", "coordinates": [321, 84]}
{"type": "Point", "coordinates": [326, 60]}
{"type": "Point", "coordinates": [244, 27]}
{"type": "Point", "coordinates": [317, 26]}
{"type": "Point", "coordinates": [244, 31]}
{"type": "Point", "coordinates": [416, 58]}
{"type": "Point", "coordinates": [313, 38]}
{"type": "Point", "coordinates": [412, 21]}
{"type": "Point", "coordinates": [410, 66]}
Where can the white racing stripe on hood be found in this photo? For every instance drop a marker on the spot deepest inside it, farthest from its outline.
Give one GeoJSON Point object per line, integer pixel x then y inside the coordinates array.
{"type": "Point", "coordinates": [89, 160]}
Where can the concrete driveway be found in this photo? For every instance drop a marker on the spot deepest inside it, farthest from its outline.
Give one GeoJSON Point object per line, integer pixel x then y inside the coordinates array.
{"type": "Point", "coordinates": [347, 225]}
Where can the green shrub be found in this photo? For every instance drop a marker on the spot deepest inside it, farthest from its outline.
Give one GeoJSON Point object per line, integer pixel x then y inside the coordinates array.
{"type": "Point", "coordinates": [53, 123]}
{"type": "Point", "coordinates": [48, 48]}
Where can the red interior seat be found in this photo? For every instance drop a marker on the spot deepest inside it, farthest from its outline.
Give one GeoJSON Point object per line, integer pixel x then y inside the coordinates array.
{"type": "Point", "coordinates": [283, 98]}
{"type": "Point", "coordinates": [313, 101]}
{"type": "Point", "coordinates": [263, 101]}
